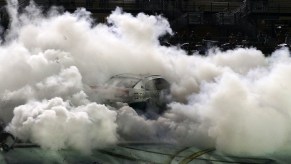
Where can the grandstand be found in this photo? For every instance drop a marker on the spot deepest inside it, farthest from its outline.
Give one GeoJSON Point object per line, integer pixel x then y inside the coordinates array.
{"type": "Point", "coordinates": [216, 19]}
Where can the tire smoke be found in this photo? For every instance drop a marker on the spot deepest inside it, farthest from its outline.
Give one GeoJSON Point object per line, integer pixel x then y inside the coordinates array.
{"type": "Point", "coordinates": [236, 101]}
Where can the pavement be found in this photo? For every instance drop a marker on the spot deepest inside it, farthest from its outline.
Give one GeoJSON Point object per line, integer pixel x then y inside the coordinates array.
{"type": "Point", "coordinates": [127, 153]}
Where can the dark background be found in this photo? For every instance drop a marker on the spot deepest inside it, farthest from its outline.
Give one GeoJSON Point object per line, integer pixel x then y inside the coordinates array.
{"type": "Point", "coordinates": [199, 24]}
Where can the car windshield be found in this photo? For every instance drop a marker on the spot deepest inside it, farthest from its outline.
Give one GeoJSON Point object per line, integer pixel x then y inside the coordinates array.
{"type": "Point", "coordinates": [125, 82]}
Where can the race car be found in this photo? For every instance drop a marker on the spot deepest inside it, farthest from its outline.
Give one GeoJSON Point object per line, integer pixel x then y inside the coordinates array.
{"type": "Point", "coordinates": [139, 91]}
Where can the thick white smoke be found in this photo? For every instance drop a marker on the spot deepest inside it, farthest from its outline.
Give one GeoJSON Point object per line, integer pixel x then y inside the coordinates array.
{"type": "Point", "coordinates": [55, 124]}
{"type": "Point", "coordinates": [236, 101]}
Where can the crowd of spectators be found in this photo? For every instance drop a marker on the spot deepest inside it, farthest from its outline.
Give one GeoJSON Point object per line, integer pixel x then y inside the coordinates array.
{"type": "Point", "coordinates": [193, 41]}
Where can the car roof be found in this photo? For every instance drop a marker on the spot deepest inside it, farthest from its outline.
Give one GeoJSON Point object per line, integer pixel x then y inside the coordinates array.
{"type": "Point", "coordinates": [138, 76]}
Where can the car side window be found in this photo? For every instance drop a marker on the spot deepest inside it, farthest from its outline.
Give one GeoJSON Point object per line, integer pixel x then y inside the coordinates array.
{"type": "Point", "coordinates": [161, 84]}
{"type": "Point", "coordinates": [157, 84]}
{"type": "Point", "coordinates": [149, 85]}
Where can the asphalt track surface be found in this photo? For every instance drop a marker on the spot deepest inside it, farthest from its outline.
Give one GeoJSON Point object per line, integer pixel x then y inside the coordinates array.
{"type": "Point", "coordinates": [125, 153]}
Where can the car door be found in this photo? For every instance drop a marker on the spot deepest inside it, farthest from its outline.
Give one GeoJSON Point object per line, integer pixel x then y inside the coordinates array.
{"type": "Point", "coordinates": [162, 90]}
{"type": "Point", "coordinates": [151, 91]}
{"type": "Point", "coordinates": [156, 87]}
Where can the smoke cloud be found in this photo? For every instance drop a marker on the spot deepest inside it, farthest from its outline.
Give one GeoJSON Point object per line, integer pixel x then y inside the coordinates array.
{"type": "Point", "coordinates": [236, 101]}
{"type": "Point", "coordinates": [55, 124]}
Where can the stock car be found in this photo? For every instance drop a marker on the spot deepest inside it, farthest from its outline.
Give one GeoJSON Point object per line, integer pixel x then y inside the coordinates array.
{"type": "Point", "coordinates": [141, 92]}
